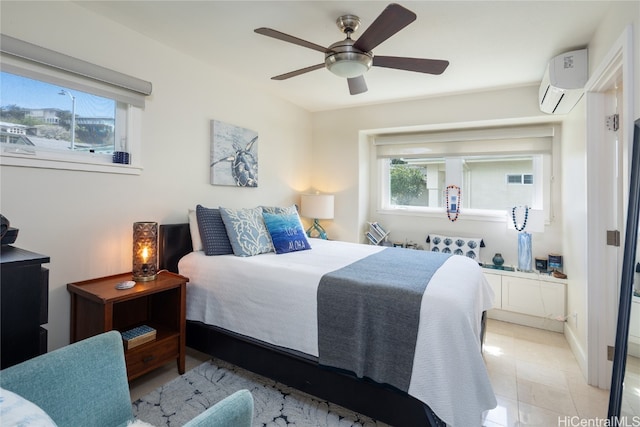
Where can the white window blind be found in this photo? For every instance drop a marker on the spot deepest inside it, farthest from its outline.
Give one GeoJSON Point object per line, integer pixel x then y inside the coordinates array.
{"type": "Point", "coordinates": [468, 142]}
{"type": "Point", "coordinates": [29, 60]}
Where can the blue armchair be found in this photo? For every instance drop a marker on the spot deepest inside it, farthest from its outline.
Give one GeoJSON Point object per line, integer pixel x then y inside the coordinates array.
{"type": "Point", "coordinates": [85, 384]}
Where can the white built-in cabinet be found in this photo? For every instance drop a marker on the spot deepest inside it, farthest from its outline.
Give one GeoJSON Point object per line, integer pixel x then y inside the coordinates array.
{"type": "Point", "coordinates": [529, 299]}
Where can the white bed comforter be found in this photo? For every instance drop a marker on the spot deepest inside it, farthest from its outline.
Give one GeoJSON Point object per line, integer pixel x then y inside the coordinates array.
{"type": "Point", "coordinates": [273, 298]}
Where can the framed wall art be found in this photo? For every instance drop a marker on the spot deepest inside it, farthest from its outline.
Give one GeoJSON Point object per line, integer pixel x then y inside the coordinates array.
{"type": "Point", "coordinates": [234, 155]}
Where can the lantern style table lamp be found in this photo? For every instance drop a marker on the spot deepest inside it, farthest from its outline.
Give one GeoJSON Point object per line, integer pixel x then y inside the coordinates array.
{"type": "Point", "coordinates": [145, 251]}
{"type": "Point", "coordinates": [317, 206]}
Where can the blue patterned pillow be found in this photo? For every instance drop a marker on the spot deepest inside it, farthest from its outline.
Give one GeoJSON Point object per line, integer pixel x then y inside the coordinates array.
{"type": "Point", "coordinates": [246, 230]}
{"type": "Point", "coordinates": [212, 232]}
{"type": "Point", "coordinates": [286, 232]}
{"type": "Point", "coordinates": [467, 246]}
{"type": "Point", "coordinates": [15, 410]}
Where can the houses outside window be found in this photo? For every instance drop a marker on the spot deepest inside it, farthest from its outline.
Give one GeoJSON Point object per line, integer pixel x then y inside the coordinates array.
{"type": "Point", "coordinates": [57, 118]}
{"type": "Point", "coordinates": [70, 114]}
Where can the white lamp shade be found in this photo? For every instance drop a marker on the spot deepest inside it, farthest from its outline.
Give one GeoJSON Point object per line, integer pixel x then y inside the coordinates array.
{"type": "Point", "coordinates": [317, 206]}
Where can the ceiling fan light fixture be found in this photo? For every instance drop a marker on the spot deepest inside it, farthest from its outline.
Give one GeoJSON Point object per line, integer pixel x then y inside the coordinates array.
{"type": "Point", "coordinates": [350, 58]}
{"type": "Point", "coordinates": [348, 64]}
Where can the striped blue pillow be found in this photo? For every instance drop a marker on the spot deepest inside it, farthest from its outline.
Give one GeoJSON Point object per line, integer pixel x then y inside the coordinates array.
{"type": "Point", "coordinates": [213, 233]}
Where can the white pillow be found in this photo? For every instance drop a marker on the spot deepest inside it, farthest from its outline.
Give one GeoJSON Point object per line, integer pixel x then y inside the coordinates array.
{"type": "Point", "coordinates": [196, 241]}
{"type": "Point", "coordinates": [18, 411]}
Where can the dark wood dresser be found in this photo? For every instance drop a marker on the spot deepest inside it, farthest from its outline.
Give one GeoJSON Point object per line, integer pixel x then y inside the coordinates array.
{"type": "Point", "coordinates": [24, 301]}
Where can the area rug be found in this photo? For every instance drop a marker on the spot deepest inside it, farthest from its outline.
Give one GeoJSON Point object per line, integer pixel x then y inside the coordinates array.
{"type": "Point", "coordinates": [275, 404]}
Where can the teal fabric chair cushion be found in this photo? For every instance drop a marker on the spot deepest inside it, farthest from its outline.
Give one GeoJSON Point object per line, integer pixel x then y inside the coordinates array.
{"type": "Point", "coordinates": [83, 384]}
{"type": "Point", "coordinates": [233, 411]}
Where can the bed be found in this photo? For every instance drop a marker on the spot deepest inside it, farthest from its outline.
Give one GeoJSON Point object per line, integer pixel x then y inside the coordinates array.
{"type": "Point", "coordinates": [276, 330]}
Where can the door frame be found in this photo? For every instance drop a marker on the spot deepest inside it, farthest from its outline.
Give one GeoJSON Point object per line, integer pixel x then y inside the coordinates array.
{"type": "Point", "coordinates": [617, 65]}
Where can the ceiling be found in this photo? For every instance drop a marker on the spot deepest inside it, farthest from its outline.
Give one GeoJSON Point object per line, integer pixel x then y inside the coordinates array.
{"type": "Point", "coordinates": [490, 44]}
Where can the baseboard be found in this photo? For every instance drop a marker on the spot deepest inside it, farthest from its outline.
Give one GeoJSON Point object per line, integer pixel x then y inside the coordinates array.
{"type": "Point", "coordinates": [576, 348]}
{"type": "Point", "coordinates": [526, 320]}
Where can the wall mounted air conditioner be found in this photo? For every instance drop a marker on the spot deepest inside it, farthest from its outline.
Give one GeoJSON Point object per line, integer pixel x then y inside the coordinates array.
{"type": "Point", "coordinates": [563, 82]}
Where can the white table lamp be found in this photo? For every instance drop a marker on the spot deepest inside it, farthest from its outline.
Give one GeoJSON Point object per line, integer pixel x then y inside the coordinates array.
{"type": "Point", "coordinates": [317, 206]}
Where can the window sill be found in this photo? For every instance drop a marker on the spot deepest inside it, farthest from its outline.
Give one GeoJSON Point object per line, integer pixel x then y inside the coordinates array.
{"type": "Point", "coordinates": [86, 163]}
{"type": "Point", "coordinates": [467, 214]}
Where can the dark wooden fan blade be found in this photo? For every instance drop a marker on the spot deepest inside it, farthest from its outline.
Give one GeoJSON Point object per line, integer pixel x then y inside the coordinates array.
{"type": "Point", "coordinates": [357, 85]}
{"type": "Point", "coordinates": [291, 39]}
{"type": "Point", "coordinates": [430, 66]}
{"type": "Point", "coordinates": [298, 72]}
{"type": "Point", "coordinates": [390, 21]}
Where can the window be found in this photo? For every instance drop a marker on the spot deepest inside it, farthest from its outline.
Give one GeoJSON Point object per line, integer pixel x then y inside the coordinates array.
{"type": "Point", "coordinates": [54, 118]}
{"type": "Point", "coordinates": [525, 178]}
{"type": "Point", "coordinates": [64, 113]}
{"type": "Point", "coordinates": [495, 168]}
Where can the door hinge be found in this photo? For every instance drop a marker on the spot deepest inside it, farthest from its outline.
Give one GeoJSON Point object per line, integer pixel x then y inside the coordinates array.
{"type": "Point", "coordinates": [613, 238]}
{"type": "Point", "coordinates": [610, 352]}
{"type": "Point", "coordinates": [613, 122]}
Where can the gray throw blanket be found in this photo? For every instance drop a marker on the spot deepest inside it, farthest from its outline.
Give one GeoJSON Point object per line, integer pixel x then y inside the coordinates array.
{"type": "Point", "coordinates": [369, 312]}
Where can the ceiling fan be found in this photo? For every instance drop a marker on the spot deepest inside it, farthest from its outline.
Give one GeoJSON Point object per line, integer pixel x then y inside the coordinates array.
{"type": "Point", "coordinates": [352, 58]}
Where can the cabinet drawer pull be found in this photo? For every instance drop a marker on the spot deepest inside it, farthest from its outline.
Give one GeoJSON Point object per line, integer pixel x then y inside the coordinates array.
{"type": "Point", "coordinates": [148, 359]}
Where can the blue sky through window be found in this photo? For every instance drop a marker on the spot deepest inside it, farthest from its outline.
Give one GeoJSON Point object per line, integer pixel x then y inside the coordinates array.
{"type": "Point", "coordinates": [34, 94]}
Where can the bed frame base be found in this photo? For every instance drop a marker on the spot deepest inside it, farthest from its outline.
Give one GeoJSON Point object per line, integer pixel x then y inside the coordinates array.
{"type": "Point", "coordinates": [366, 397]}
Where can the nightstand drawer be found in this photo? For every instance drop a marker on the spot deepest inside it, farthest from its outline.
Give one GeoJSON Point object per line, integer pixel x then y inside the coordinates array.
{"type": "Point", "coordinates": [149, 356]}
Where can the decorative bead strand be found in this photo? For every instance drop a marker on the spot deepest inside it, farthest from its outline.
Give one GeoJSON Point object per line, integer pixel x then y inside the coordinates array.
{"type": "Point", "coordinates": [447, 200]}
{"type": "Point", "coordinates": [526, 216]}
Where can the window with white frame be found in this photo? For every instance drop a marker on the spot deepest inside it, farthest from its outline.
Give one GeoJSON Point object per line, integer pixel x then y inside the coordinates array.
{"type": "Point", "coordinates": [56, 118]}
{"type": "Point", "coordinates": [64, 113]}
{"type": "Point", "coordinates": [520, 178]}
{"type": "Point", "coordinates": [414, 169]}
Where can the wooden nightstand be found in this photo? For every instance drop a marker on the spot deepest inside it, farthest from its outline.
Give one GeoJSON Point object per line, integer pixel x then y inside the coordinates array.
{"type": "Point", "coordinates": [97, 306]}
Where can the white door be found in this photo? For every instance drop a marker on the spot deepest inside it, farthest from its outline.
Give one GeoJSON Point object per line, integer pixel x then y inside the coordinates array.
{"type": "Point", "coordinates": [614, 221]}
{"type": "Point", "coordinates": [608, 155]}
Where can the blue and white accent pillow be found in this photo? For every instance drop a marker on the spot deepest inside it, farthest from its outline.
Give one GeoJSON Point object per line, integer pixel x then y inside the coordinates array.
{"type": "Point", "coordinates": [15, 410]}
{"type": "Point", "coordinates": [246, 230]}
{"type": "Point", "coordinates": [293, 209]}
{"type": "Point", "coordinates": [466, 246]}
{"type": "Point", "coordinates": [286, 232]}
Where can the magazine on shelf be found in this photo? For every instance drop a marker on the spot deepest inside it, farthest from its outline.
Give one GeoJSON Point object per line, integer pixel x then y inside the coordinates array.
{"type": "Point", "coordinates": [378, 228]}
{"type": "Point", "coordinates": [371, 238]}
{"type": "Point", "coordinates": [138, 336]}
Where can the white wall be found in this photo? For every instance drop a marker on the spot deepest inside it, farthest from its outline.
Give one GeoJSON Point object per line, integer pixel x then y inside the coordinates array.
{"type": "Point", "coordinates": [83, 221]}
{"type": "Point", "coordinates": [344, 163]}
{"type": "Point", "coordinates": [574, 238]}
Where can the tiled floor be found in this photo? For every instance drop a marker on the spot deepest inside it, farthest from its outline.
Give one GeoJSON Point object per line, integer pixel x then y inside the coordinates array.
{"type": "Point", "coordinates": [534, 375]}
{"type": "Point", "coordinates": [536, 379]}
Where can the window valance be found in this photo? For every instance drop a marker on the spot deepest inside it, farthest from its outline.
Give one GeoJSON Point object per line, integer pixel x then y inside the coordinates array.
{"type": "Point", "coordinates": [70, 71]}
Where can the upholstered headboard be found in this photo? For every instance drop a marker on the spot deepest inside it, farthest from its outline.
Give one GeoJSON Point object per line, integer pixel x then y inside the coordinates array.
{"type": "Point", "coordinates": [175, 242]}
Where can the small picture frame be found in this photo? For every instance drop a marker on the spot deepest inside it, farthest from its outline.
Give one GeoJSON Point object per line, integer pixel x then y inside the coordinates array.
{"type": "Point", "coordinates": [453, 204]}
